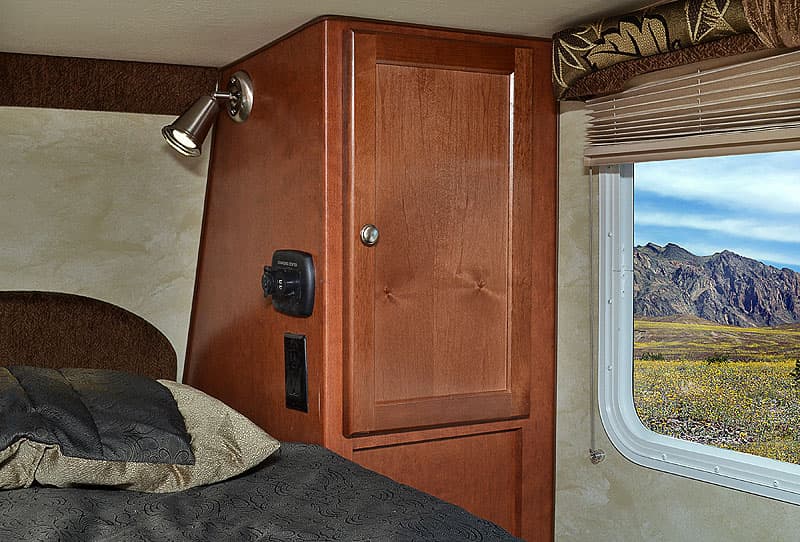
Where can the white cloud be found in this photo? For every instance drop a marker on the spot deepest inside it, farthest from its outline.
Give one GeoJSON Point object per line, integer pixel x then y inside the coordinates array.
{"type": "Point", "coordinates": [750, 183]}
{"type": "Point", "coordinates": [778, 257]}
{"type": "Point", "coordinates": [782, 231]}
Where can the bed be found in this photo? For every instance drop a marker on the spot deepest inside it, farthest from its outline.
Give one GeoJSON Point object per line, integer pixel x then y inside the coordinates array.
{"type": "Point", "coordinates": [299, 492]}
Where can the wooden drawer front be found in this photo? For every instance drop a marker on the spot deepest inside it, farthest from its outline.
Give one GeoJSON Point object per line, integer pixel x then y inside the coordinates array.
{"type": "Point", "coordinates": [480, 473]}
{"type": "Point", "coordinates": [439, 310]}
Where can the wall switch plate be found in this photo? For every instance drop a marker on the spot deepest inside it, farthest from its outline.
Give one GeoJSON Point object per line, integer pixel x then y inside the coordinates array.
{"type": "Point", "coordinates": [294, 354]}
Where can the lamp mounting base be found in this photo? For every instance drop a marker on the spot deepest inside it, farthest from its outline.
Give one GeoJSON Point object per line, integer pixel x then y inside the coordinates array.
{"type": "Point", "coordinates": [240, 88]}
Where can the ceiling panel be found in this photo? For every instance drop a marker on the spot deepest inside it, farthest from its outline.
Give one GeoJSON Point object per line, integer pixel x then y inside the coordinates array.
{"type": "Point", "coordinates": [215, 33]}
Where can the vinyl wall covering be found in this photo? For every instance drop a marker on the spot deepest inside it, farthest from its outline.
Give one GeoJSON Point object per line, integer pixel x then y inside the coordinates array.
{"type": "Point", "coordinates": [92, 200]}
{"type": "Point", "coordinates": [96, 204]}
{"type": "Point", "coordinates": [599, 57]}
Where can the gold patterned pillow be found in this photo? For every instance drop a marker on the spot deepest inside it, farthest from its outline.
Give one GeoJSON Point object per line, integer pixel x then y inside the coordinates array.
{"type": "Point", "coordinates": [77, 427]}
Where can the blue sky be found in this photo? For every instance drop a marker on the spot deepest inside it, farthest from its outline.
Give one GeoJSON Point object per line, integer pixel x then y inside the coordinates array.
{"type": "Point", "coordinates": [748, 204]}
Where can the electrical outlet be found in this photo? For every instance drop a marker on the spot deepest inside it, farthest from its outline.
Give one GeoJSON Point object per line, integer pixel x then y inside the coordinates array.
{"type": "Point", "coordinates": [294, 354]}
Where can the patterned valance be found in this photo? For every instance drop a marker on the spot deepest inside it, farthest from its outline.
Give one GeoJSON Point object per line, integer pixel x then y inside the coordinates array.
{"type": "Point", "coordinates": [598, 58]}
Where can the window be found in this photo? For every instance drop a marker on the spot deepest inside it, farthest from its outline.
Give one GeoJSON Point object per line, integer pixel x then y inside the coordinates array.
{"type": "Point", "coordinates": [699, 328]}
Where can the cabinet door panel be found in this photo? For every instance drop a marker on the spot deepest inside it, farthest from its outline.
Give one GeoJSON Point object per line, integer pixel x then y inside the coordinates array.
{"type": "Point", "coordinates": [481, 473]}
{"type": "Point", "coordinates": [441, 269]}
{"type": "Point", "coordinates": [439, 314]}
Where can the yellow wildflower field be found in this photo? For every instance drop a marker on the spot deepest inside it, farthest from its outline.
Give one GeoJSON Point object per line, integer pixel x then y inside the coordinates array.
{"type": "Point", "coordinates": [724, 386]}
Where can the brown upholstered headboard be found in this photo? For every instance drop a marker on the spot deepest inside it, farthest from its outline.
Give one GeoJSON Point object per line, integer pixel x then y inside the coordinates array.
{"type": "Point", "coordinates": [52, 329]}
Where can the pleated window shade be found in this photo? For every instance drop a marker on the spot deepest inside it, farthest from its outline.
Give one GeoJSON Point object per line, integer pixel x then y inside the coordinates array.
{"type": "Point", "coordinates": [744, 108]}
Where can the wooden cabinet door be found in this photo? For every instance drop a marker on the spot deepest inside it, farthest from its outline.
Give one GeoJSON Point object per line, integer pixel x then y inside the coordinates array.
{"type": "Point", "coordinates": [438, 312]}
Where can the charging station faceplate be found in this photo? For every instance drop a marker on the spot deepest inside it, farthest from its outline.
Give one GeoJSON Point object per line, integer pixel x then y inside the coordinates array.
{"type": "Point", "coordinates": [290, 282]}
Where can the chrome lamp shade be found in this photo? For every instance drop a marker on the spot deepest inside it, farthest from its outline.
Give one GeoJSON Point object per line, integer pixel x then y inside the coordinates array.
{"type": "Point", "coordinates": [187, 133]}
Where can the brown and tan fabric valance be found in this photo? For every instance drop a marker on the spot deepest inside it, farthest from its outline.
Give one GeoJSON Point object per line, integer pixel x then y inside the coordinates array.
{"type": "Point", "coordinates": [775, 22]}
{"type": "Point", "coordinates": [598, 58]}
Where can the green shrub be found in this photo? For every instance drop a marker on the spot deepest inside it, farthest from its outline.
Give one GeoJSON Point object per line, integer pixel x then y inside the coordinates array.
{"type": "Point", "coordinates": [795, 373]}
{"type": "Point", "coordinates": [718, 358]}
{"type": "Point", "coordinates": [649, 356]}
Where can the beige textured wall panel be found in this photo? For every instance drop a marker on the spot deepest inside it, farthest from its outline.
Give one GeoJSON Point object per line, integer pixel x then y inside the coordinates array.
{"type": "Point", "coordinates": [618, 500]}
{"type": "Point", "coordinates": [95, 203]}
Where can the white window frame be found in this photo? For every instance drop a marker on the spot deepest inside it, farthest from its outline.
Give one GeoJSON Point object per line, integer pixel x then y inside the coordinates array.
{"type": "Point", "coordinates": [754, 474]}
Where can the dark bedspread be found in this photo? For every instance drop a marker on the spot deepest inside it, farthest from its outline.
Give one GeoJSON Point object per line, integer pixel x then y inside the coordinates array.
{"type": "Point", "coordinates": [304, 493]}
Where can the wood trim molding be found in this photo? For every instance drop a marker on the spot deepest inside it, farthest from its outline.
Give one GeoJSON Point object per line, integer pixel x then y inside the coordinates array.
{"type": "Point", "coordinates": [378, 25]}
{"type": "Point", "coordinates": [101, 85]}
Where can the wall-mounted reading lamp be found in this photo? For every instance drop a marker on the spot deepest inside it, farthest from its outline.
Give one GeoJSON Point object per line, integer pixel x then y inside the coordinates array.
{"type": "Point", "coordinates": [187, 133]}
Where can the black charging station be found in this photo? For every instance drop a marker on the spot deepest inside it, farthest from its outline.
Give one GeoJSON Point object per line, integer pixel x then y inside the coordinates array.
{"type": "Point", "coordinates": [290, 282]}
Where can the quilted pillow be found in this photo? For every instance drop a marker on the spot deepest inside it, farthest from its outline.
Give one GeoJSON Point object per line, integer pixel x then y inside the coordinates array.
{"type": "Point", "coordinates": [73, 427]}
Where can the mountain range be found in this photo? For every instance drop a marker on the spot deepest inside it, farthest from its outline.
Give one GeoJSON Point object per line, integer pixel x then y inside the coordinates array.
{"type": "Point", "coordinates": [725, 287]}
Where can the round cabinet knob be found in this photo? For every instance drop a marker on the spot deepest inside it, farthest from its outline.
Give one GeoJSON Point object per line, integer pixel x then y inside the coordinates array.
{"type": "Point", "coordinates": [369, 234]}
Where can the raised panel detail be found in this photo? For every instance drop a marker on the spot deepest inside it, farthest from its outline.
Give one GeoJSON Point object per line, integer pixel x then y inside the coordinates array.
{"type": "Point", "coordinates": [441, 267]}
{"type": "Point", "coordinates": [481, 473]}
{"type": "Point", "coordinates": [439, 311]}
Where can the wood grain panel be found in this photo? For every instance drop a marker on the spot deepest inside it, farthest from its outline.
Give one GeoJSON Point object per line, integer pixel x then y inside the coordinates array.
{"type": "Point", "coordinates": [360, 202]}
{"type": "Point", "coordinates": [480, 473]}
{"type": "Point", "coordinates": [335, 291]}
{"type": "Point", "coordinates": [265, 192]}
{"type": "Point", "coordinates": [441, 266]}
{"type": "Point", "coordinates": [402, 50]}
{"type": "Point", "coordinates": [539, 441]}
{"type": "Point", "coordinates": [524, 236]}
{"type": "Point", "coordinates": [433, 168]}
